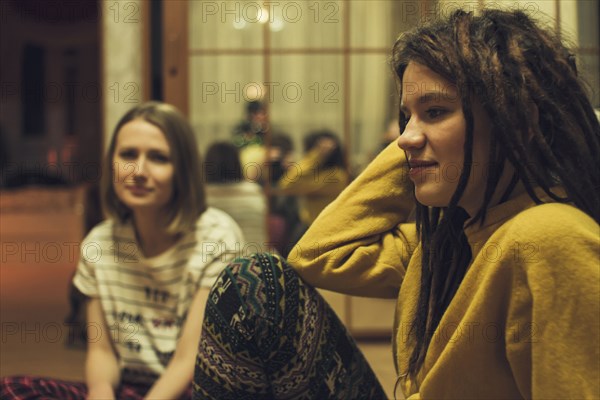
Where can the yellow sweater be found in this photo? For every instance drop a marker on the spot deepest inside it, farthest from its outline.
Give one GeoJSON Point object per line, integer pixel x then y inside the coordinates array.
{"type": "Point", "coordinates": [525, 321]}
{"type": "Point", "coordinates": [316, 186]}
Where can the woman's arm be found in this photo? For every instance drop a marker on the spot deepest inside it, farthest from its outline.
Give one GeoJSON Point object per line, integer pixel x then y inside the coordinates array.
{"type": "Point", "coordinates": [553, 325]}
{"type": "Point", "coordinates": [180, 371]}
{"type": "Point", "coordinates": [360, 244]}
{"type": "Point", "coordinates": [102, 373]}
{"type": "Point", "coordinates": [307, 176]}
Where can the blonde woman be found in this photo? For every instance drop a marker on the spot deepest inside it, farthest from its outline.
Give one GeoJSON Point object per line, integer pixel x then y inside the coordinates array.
{"type": "Point", "coordinates": [147, 269]}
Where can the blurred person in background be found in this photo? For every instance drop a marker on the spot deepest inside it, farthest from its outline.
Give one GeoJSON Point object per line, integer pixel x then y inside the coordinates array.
{"type": "Point", "coordinates": [317, 179]}
{"type": "Point", "coordinates": [283, 208]}
{"type": "Point", "coordinates": [229, 191]}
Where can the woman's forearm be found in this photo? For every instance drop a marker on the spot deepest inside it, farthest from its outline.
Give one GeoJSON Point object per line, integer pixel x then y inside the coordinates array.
{"type": "Point", "coordinates": [102, 373]}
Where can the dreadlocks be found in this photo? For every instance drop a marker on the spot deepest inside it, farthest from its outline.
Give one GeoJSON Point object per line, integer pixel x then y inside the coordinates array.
{"type": "Point", "coordinates": [542, 123]}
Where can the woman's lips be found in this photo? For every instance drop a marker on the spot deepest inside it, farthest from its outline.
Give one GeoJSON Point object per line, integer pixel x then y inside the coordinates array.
{"type": "Point", "coordinates": [139, 190]}
{"type": "Point", "coordinates": [420, 169]}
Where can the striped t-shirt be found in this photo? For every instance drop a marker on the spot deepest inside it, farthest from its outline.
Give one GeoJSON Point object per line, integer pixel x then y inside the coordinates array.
{"type": "Point", "coordinates": [145, 300]}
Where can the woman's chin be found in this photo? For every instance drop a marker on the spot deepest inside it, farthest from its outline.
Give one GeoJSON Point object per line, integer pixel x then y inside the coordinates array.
{"type": "Point", "coordinates": [430, 199]}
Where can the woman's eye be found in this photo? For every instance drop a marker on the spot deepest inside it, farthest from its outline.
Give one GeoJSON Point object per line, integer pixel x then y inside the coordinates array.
{"type": "Point", "coordinates": [434, 112]}
{"type": "Point", "coordinates": [127, 154]}
{"type": "Point", "coordinates": [161, 158]}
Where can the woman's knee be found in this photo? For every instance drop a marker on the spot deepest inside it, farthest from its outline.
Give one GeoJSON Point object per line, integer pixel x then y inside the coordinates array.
{"type": "Point", "coordinates": [252, 285]}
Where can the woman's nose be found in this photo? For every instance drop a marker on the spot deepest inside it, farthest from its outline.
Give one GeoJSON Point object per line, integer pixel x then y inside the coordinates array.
{"type": "Point", "coordinates": [412, 137]}
{"type": "Point", "coordinates": [141, 167]}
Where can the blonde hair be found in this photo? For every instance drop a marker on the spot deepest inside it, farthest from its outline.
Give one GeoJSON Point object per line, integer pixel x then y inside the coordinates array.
{"type": "Point", "coordinates": [188, 200]}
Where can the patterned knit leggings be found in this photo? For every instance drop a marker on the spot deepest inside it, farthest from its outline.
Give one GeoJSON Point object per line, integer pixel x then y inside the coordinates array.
{"type": "Point", "coordinates": [268, 335]}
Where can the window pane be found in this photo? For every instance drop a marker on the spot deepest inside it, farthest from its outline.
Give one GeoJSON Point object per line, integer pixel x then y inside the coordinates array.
{"type": "Point", "coordinates": [373, 103]}
{"type": "Point", "coordinates": [589, 43]}
{"type": "Point", "coordinates": [365, 15]}
{"type": "Point", "coordinates": [589, 32]}
{"type": "Point", "coordinates": [302, 24]}
{"type": "Point", "coordinates": [219, 89]}
{"type": "Point", "coordinates": [226, 24]}
{"type": "Point", "coordinates": [306, 94]}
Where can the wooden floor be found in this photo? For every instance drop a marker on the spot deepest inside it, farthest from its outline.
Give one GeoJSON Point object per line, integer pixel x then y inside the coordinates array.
{"type": "Point", "coordinates": [33, 305]}
{"type": "Point", "coordinates": [36, 266]}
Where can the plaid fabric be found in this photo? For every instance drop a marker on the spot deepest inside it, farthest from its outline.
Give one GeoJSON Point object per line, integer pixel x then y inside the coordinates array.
{"type": "Point", "coordinates": [31, 387]}
{"type": "Point", "coordinates": [268, 335]}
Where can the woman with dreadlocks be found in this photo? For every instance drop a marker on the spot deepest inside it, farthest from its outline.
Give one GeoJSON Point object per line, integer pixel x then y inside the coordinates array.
{"type": "Point", "coordinates": [498, 281]}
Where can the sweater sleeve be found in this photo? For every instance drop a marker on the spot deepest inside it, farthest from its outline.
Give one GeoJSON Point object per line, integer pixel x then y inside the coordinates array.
{"type": "Point", "coordinates": [359, 244]}
{"type": "Point", "coordinates": [553, 328]}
